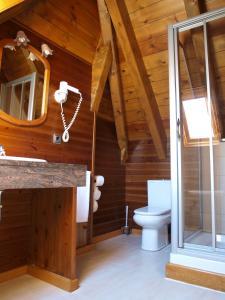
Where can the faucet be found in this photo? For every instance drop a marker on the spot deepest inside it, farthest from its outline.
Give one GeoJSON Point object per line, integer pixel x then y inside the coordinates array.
{"type": "Point", "coordinates": [2, 151]}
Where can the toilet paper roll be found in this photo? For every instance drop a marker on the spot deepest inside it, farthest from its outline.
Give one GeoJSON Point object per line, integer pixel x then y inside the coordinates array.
{"type": "Point", "coordinates": [99, 180]}
{"type": "Point", "coordinates": [95, 206]}
{"type": "Point", "coordinates": [97, 194]}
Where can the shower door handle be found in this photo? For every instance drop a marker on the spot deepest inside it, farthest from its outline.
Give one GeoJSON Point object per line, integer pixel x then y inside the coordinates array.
{"type": "Point", "coordinates": [178, 129]}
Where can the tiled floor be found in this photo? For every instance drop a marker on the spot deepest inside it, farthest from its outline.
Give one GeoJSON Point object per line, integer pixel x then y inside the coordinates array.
{"type": "Point", "coordinates": [117, 269]}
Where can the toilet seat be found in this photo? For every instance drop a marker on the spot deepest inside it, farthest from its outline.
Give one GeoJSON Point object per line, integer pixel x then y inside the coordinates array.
{"type": "Point", "coordinates": [152, 211]}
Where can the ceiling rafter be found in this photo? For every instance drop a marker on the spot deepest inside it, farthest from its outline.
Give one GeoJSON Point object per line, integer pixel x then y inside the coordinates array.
{"type": "Point", "coordinates": [100, 69]}
{"type": "Point", "coordinates": [126, 37]}
{"type": "Point", "coordinates": [11, 8]}
{"type": "Point", "coordinates": [114, 80]}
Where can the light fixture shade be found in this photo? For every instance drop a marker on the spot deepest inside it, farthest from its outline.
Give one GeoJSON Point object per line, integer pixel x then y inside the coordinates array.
{"type": "Point", "coordinates": [21, 39]}
{"type": "Point", "coordinates": [46, 51]}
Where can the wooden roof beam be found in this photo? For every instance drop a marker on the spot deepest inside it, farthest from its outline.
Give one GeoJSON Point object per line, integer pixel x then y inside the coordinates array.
{"type": "Point", "coordinates": [100, 70]}
{"type": "Point", "coordinates": [11, 8]}
{"type": "Point", "coordinates": [126, 37]}
{"type": "Point", "coordinates": [114, 80]}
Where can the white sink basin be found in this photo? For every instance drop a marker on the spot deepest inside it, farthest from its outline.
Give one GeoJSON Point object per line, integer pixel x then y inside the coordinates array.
{"type": "Point", "coordinates": [17, 158]}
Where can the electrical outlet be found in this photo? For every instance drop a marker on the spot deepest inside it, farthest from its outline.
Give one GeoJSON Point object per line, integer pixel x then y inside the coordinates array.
{"type": "Point", "coordinates": [57, 139]}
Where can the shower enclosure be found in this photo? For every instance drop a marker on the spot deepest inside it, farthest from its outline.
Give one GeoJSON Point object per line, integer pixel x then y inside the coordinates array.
{"type": "Point", "coordinates": [197, 122]}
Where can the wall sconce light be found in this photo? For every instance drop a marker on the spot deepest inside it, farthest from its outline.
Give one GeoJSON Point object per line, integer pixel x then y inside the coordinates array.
{"type": "Point", "coordinates": [46, 51]}
{"type": "Point", "coordinates": [21, 39]}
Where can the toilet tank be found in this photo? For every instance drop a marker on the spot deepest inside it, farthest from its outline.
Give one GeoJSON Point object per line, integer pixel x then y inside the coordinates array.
{"type": "Point", "coordinates": [159, 193]}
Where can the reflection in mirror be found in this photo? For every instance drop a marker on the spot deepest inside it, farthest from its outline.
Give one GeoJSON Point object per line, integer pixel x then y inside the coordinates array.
{"type": "Point", "coordinates": [21, 81]}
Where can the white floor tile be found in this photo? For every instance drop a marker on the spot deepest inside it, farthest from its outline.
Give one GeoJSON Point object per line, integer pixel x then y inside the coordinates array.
{"type": "Point", "coordinates": [116, 269]}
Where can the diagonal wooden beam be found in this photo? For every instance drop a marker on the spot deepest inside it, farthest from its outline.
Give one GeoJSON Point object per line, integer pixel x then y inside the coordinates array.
{"type": "Point", "coordinates": [126, 37]}
{"type": "Point", "coordinates": [7, 4]}
{"type": "Point", "coordinates": [11, 8]}
{"type": "Point", "coordinates": [192, 8]}
{"type": "Point", "coordinates": [100, 70]}
{"type": "Point", "coordinates": [114, 80]}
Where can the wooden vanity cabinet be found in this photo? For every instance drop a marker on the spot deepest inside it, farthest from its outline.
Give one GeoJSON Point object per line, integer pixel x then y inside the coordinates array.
{"type": "Point", "coordinates": [38, 225]}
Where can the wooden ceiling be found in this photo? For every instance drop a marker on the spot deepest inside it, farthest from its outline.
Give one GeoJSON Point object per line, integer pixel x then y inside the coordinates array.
{"type": "Point", "coordinates": [72, 25]}
{"type": "Point", "coordinates": [138, 56]}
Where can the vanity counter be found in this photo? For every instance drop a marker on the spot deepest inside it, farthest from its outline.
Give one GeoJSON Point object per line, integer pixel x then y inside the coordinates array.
{"type": "Point", "coordinates": [27, 174]}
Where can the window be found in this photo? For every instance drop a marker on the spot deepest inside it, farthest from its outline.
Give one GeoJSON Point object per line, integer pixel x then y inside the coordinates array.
{"type": "Point", "coordinates": [197, 123]}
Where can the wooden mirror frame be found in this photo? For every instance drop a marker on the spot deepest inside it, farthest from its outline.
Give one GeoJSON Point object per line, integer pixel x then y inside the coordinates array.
{"type": "Point", "coordinates": [6, 117]}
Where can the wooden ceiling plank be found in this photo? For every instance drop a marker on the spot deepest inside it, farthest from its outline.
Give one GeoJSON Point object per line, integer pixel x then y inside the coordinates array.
{"type": "Point", "coordinates": [100, 69]}
{"type": "Point", "coordinates": [126, 37]}
{"type": "Point", "coordinates": [66, 25]}
{"type": "Point", "coordinates": [114, 80]}
{"type": "Point", "coordinates": [7, 4]}
{"type": "Point", "coordinates": [11, 8]}
{"type": "Point", "coordinates": [55, 35]}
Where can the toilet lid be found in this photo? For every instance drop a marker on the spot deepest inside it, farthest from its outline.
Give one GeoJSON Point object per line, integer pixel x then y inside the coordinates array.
{"type": "Point", "coordinates": [152, 211]}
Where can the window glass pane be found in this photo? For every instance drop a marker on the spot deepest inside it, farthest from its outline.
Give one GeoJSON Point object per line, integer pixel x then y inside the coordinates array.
{"type": "Point", "coordinates": [26, 95]}
{"type": "Point", "coordinates": [197, 118]}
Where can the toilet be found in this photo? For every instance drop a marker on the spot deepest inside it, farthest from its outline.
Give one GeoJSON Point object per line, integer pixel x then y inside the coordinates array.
{"type": "Point", "coordinates": [155, 217]}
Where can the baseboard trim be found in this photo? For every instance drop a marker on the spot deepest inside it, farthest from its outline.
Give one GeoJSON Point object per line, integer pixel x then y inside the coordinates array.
{"type": "Point", "coordinates": [194, 276]}
{"type": "Point", "coordinates": [11, 274]}
{"type": "Point", "coordinates": [64, 283]}
{"type": "Point", "coordinates": [136, 231]}
{"type": "Point", "coordinates": [106, 236]}
{"type": "Point", "coordinates": [85, 249]}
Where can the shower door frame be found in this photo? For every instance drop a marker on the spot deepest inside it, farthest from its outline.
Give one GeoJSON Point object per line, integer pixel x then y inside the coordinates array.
{"type": "Point", "coordinates": [175, 135]}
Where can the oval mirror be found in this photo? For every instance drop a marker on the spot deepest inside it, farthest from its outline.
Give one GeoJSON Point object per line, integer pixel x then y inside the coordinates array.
{"type": "Point", "coordinates": [24, 82]}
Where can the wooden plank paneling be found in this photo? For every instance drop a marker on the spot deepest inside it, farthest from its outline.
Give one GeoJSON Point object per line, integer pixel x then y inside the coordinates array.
{"type": "Point", "coordinates": [11, 8]}
{"type": "Point", "coordinates": [37, 141]}
{"type": "Point", "coordinates": [15, 229]}
{"type": "Point", "coordinates": [142, 165]}
{"type": "Point", "coordinates": [131, 51]}
{"type": "Point", "coordinates": [109, 36]}
{"type": "Point", "coordinates": [53, 234]}
{"type": "Point", "coordinates": [110, 214]}
{"type": "Point", "coordinates": [7, 4]}
{"type": "Point", "coordinates": [72, 25]}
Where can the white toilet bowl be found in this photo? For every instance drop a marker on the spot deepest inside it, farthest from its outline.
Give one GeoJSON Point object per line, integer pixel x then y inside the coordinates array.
{"type": "Point", "coordinates": [155, 217]}
{"type": "Point", "coordinates": [154, 228]}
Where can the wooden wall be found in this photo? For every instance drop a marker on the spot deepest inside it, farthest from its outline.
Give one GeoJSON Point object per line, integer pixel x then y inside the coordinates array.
{"type": "Point", "coordinates": [15, 229]}
{"type": "Point", "coordinates": [73, 25]}
{"type": "Point", "coordinates": [142, 165]}
{"type": "Point", "coordinates": [37, 142]}
{"type": "Point", "coordinates": [110, 214]}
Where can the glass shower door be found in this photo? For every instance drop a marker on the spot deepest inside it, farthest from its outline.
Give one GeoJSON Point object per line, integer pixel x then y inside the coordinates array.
{"type": "Point", "coordinates": [197, 101]}
{"type": "Point", "coordinates": [195, 137]}
{"type": "Point", "coordinates": [216, 34]}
